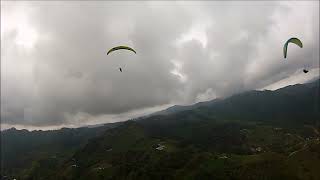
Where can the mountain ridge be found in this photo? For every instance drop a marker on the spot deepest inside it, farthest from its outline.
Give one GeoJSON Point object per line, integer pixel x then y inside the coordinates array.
{"type": "Point", "coordinates": [263, 124]}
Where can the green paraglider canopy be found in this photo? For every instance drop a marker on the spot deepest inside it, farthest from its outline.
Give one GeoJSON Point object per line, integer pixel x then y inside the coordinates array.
{"type": "Point", "coordinates": [121, 47]}
{"type": "Point", "coordinates": [291, 40]}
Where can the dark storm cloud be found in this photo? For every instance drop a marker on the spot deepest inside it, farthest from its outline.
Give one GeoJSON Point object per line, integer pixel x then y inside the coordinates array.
{"type": "Point", "coordinates": [249, 49]}
{"type": "Point", "coordinates": [66, 77]}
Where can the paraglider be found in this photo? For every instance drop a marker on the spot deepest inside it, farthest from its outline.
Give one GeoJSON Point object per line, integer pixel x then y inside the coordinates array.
{"type": "Point", "coordinates": [294, 41]}
{"type": "Point", "coordinates": [118, 48]}
{"type": "Point", "coordinates": [121, 47]}
{"type": "Point", "coordinates": [291, 40]}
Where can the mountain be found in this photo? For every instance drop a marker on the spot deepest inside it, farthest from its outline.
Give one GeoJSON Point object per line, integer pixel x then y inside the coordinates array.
{"type": "Point", "coordinates": [252, 135]}
{"type": "Point", "coordinates": [291, 105]}
{"type": "Point", "coordinates": [270, 103]}
{"type": "Point", "coordinates": [179, 108]}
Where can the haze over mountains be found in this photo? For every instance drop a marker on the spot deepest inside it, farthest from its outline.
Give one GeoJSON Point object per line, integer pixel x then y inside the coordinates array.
{"type": "Point", "coordinates": [266, 133]}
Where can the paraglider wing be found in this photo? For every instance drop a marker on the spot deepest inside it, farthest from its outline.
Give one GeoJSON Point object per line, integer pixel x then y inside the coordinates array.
{"type": "Point", "coordinates": [291, 40]}
{"type": "Point", "coordinates": [121, 47]}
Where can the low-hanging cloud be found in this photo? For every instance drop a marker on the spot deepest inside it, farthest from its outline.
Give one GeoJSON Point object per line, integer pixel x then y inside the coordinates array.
{"type": "Point", "coordinates": [54, 67]}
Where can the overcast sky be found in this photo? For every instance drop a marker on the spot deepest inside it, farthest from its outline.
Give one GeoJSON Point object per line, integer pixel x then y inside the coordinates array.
{"type": "Point", "coordinates": [55, 71]}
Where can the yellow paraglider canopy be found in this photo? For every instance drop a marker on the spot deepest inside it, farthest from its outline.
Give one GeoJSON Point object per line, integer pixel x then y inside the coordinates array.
{"type": "Point", "coordinates": [291, 40]}
{"type": "Point", "coordinates": [121, 47]}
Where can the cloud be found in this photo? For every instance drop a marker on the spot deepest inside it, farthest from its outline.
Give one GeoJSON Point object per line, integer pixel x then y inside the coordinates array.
{"type": "Point", "coordinates": [55, 71]}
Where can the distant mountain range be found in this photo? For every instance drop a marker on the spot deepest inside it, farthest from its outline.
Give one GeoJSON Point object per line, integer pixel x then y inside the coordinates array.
{"type": "Point", "coordinates": [300, 101]}
{"type": "Point", "coordinates": [251, 134]}
{"type": "Point", "coordinates": [179, 108]}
